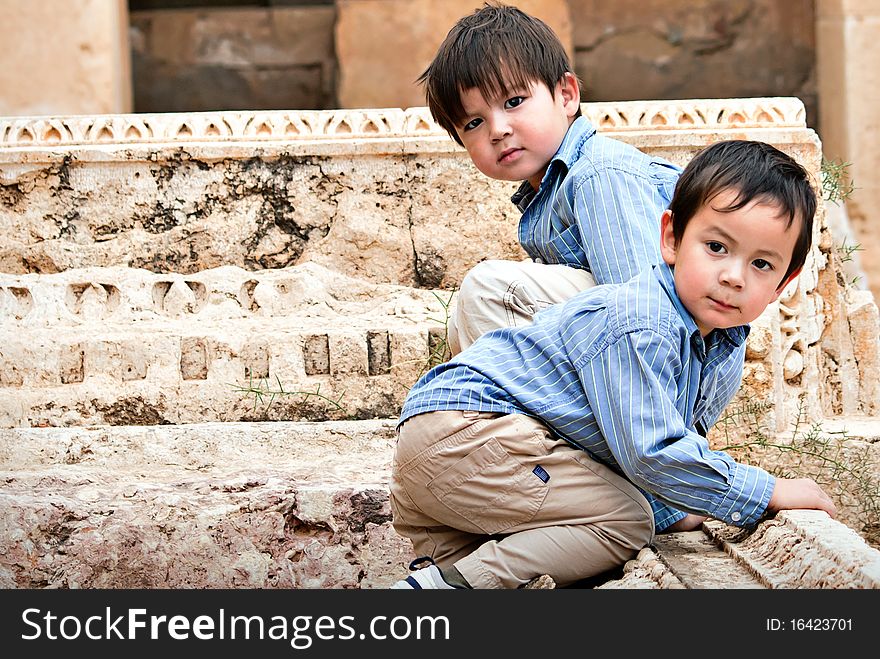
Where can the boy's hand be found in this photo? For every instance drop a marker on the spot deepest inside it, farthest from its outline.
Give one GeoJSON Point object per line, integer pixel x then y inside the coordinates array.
{"type": "Point", "coordinates": [689, 523]}
{"type": "Point", "coordinates": [792, 493]}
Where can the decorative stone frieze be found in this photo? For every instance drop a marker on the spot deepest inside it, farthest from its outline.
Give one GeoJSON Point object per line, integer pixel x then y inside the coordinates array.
{"type": "Point", "coordinates": [347, 125]}
{"type": "Point", "coordinates": [124, 346]}
{"type": "Point", "coordinates": [801, 549]}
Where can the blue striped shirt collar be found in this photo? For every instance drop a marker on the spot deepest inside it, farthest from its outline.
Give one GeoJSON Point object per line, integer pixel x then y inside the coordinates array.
{"type": "Point", "coordinates": [578, 133]}
{"type": "Point", "coordinates": [734, 335]}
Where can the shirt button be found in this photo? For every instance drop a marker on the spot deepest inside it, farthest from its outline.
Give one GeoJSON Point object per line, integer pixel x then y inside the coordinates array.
{"type": "Point", "coordinates": [736, 517]}
{"type": "Point", "coordinates": [538, 259]}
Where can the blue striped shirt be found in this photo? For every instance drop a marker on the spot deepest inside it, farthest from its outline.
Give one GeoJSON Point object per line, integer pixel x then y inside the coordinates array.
{"type": "Point", "coordinates": [598, 207]}
{"type": "Point", "coordinates": [622, 372]}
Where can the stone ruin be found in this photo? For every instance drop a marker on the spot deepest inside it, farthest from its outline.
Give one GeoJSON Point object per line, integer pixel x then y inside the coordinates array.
{"type": "Point", "coordinates": [211, 320]}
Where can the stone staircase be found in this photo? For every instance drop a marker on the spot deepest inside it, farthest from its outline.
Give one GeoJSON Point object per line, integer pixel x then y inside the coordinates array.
{"type": "Point", "coordinates": [163, 275]}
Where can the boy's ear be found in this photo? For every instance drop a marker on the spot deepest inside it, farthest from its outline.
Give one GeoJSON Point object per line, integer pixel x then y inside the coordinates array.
{"type": "Point", "coordinates": [570, 92]}
{"type": "Point", "coordinates": [667, 238]}
{"type": "Point", "coordinates": [785, 283]}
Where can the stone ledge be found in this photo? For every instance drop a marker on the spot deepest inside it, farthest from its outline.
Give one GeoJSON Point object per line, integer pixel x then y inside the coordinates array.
{"type": "Point", "coordinates": [802, 549]}
{"type": "Point", "coordinates": [332, 451]}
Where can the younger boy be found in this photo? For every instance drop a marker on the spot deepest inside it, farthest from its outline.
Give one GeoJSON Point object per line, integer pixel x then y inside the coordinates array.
{"type": "Point", "coordinates": [533, 450]}
{"type": "Point", "coordinates": [502, 86]}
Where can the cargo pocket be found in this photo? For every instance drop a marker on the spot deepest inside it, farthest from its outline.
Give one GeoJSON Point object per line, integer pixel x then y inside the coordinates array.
{"type": "Point", "coordinates": [491, 489]}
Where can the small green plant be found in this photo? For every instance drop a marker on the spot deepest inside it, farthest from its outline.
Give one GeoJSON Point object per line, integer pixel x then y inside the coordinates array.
{"type": "Point", "coordinates": [837, 185]}
{"type": "Point", "coordinates": [845, 251]}
{"type": "Point", "coordinates": [847, 470]}
{"type": "Point", "coordinates": [438, 344]}
{"type": "Point", "coordinates": [438, 341]}
{"type": "Point", "coordinates": [261, 391]}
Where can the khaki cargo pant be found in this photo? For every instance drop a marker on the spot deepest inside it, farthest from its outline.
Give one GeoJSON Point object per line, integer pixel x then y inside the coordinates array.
{"type": "Point", "coordinates": [472, 489]}
{"type": "Point", "coordinates": [499, 293]}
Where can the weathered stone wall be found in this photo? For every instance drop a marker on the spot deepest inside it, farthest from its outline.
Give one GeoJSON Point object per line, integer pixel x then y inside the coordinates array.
{"type": "Point", "coordinates": [846, 33]}
{"type": "Point", "coordinates": [183, 193]}
{"type": "Point", "coordinates": [668, 49]}
{"type": "Point", "coordinates": [272, 58]}
{"type": "Point", "coordinates": [324, 57]}
{"type": "Point", "coordinates": [384, 45]}
{"type": "Point", "coordinates": [122, 346]}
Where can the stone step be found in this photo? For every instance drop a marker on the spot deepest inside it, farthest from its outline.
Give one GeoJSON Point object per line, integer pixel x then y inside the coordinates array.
{"type": "Point", "coordinates": [124, 346]}
{"type": "Point", "coordinates": [305, 505]}
{"type": "Point", "coordinates": [287, 505]}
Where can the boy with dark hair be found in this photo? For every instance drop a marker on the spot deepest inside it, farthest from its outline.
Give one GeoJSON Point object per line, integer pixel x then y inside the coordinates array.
{"type": "Point", "coordinates": [502, 86]}
{"type": "Point", "coordinates": [533, 451]}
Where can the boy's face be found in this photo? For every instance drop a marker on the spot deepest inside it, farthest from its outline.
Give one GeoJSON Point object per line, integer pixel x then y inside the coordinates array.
{"type": "Point", "coordinates": [728, 265]}
{"type": "Point", "coordinates": [514, 136]}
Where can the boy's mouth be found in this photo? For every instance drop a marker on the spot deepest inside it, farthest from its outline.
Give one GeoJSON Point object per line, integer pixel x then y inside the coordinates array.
{"type": "Point", "coordinates": [508, 154]}
{"type": "Point", "coordinates": [722, 305]}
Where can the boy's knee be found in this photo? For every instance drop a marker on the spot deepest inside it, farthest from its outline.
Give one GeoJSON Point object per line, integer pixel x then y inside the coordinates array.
{"type": "Point", "coordinates": [486, 278]}
{"type": "Point", "coordinates": [480, 303]}
{"type": "Point", "coordinates": [643, 531]}
{"type": "Point", "coordinates": [642, 524]}
{"type": "Point", "coordinates": [634, 526]}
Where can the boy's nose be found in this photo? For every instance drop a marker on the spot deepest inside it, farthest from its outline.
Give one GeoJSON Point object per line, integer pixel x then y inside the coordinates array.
{"type": "Point", "coordinates": [500, 128]}
{"type": "Point", "coordinates": [732, 274]}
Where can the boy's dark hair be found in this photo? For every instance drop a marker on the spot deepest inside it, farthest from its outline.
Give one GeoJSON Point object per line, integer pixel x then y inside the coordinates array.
{"type": "Point", "coordinates": [495, 49]}
{"type": "Point", "coordinates": [759, 172]}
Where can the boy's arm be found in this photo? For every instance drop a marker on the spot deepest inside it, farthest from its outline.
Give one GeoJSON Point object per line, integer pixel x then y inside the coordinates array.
{"type": "Point", "coordinates": [631, 385]}
{"type": "Point", "coordinates": [618, 215]}
{"type": "Point", "coordinates": [690, 522]}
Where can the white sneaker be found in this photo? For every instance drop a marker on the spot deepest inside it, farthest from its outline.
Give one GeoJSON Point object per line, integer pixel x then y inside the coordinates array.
{"type": "Point", "coordinates": [426, 578]}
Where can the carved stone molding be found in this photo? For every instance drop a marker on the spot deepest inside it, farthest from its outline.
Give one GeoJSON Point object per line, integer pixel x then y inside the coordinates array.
{"type": "Point", "coordinates": [263, 126]}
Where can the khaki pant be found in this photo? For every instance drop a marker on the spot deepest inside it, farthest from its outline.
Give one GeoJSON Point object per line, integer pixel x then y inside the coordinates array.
{"type": "Point", "coordinates": [466, 489]}
{"type": "Point", "coordinates": [508, 294]}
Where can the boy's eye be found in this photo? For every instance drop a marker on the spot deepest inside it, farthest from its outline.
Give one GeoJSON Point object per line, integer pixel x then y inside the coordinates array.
{"type": "Point", "coordinates": [715, 247]}
{"type": "Point", "coordinates": [513, 102]}
{"type": "Point", "coordinates": [761, 264]}
{"type": "Point", "coordinates": [473, 123]}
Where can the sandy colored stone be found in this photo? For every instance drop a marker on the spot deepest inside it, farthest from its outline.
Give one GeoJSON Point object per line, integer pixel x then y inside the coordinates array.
{"type": "Point", "coordinates": [65, 58]}
{"type": "Point", "coordinates": [802, 549]}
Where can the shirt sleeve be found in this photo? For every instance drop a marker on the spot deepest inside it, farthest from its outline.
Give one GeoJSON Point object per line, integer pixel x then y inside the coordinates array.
{"type": "Point", "coordinates": [618, 215]}
{"type": "Point", "coordinates": [631, 386]}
